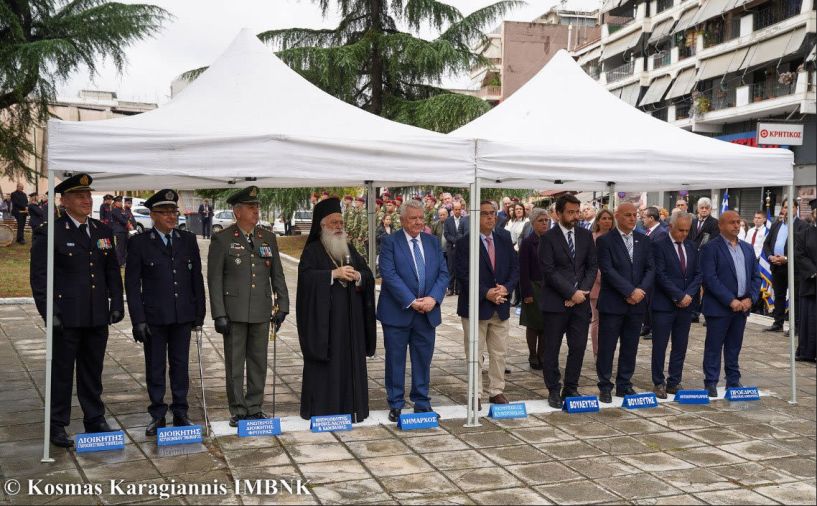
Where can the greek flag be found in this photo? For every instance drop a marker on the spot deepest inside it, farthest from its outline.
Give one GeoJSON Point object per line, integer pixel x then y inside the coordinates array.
{"type": "Point", "coordinates": [725, 203]}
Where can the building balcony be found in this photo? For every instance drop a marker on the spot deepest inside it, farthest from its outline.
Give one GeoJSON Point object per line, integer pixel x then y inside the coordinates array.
{"type": "Point", "coordinates": [661, 59]}
{"type": "Point", "coordinates": [621, 72]}
{"type": "Point", "coordinates": [490, 93]}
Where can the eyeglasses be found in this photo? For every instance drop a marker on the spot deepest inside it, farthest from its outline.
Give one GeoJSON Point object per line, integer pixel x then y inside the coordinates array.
{"type": "Point", "coordinates": [167, 213]}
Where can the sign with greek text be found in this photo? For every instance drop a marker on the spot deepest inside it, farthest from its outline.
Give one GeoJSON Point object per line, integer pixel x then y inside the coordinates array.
{"type": "Point", "coordinates": [506, 411]}
{"type": "Point", "coordinates": [742, 394]}
{"type": "Point", "coordinates": [789, 134]}
{"type": "Point", "coordinates": [167, 436]}
{"type": "Point", "coordinates": [583, 404]}
{"type": "Point", "coordinates": [692, 397]}
{"type": "Point", "coordinates": [262, 427]}
{"type": "Point", "coordinates": [330, 423]}
{"type": "Point", "coordinates": [413, 421]}
{"type": "Point", "coordinates": [641, 401]}
{"type": "Point", "coordinates": [99, 441]}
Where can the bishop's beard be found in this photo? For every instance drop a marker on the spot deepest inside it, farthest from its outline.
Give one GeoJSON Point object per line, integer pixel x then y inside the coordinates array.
{"type": "Point", "coordinates": [336, 245]}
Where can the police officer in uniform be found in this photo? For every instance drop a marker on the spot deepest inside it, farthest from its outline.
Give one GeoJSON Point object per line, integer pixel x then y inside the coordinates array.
{"type": "Point", "coordinates": [87, 298]}
{"type": "Point", "coordinates": [128, 211]}
{"type": "Point", "coordinates": [165, 291]}
{"type": "Point", "coordinates": [119, 225]}
{"type": "Point", "coordinates": [105, 209]}
{"type": "Point", "coordinates": [243, 272]}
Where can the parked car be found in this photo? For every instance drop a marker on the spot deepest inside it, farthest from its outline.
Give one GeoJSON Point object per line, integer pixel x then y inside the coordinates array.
{"type": "Point", "coordinates": [225, 218]}
{"type": "Point", "coordinates": [302, 217]}
{"type": "Point", "coordinates": [144, 222]}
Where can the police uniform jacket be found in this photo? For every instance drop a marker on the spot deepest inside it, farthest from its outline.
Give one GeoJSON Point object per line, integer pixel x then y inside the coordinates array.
{"type": "Point", "coordinates": [87, 283]}
{"type": "Point", "coordinates": [164, 289]}
{"type": "Point", "coordinates": [119, 221]}
{"type": "Point", "coordinates": [241, 279]}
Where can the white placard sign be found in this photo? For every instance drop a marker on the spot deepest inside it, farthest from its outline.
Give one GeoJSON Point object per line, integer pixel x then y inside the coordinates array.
{"type": "Point", "coordinates": [781, 134]}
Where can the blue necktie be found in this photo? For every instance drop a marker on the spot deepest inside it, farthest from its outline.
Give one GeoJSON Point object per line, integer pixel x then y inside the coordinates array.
{"type": "Point", "coordinates": [570, 244]}
{"type": "Point", "coordinates": [421, 268]}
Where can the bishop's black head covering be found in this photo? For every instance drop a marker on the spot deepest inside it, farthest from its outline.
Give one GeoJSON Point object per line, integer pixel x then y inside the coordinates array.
{"type": "Point", "coordinates": [322, 209]}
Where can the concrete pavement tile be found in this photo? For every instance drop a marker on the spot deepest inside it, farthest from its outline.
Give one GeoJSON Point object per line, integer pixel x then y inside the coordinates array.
{"type": "Point", "coordinates": [456, 426]}
{"type": "Point", "coordinates": [638, 486]}
{"type": "Point", "coordinates": [198, 462]}
{"type": "Point", "coordinates": [508, 455]}
{"type": "Point", "coordinates": [396, 465]}
{"type": "Point", "coordinates": [798, 467]}
{"type": "Point", "coordinates": [474, 480]}
{"type": "Point", "coordinates": [489, 439]}
{"type": "Point", "coordinates": [153, 451]}
{"type": "Point", "coordinates": [378, 448]}
{"type": "Point", "coordinates": [137, 470]}
{"type": "Point", "coordinates": [800, 492]}
{"type": "Point", "coordinates": [656, 462]}
{"type": "Point", "coordinates": [763, 431]}
{"type": "Point", "coordinates": [636, 426]}
{"type": "Point", "coordinates": [683, 422]}
{"type": "Point", "coordinates": [756, 450]}
{"type": "Point", "coordinates": [257, 457]}
{"type": "Point", "coordinates": [519, 423]}
{"type": "Point", "coordinates": [545, 434]}
{"type": "Point", "coordinates": [803, 446]}
{"type": "Point", "coordinates": [718, 435]}
{"type": "Point", "coordinates": [318, 453]}
{"type": "Point", "coordinates": [740, 496]}
{"type": "Point", "coordinates": [697, 480]}
{"type": "Point", "coordinates": [365, 434]}
{"type": "Point", "coordinates": [752, 474]}
{"type": "Point", "coordinates": [666, 441]}
{"type": "Point", "coordinates": [670, 500]}
{"type": "Point", "coordinates": [592, 430]}
{"type": "Point", "coordinates": [351, 492]}
{"type": "Point", "coordinates": [707, 456]}
{"type": "Point", "coordinates": [577, 492]}
{"type": "Point", "coordinates": [129, 453]}
{"type": "Point", "coordinates": [330, 472]}
{"type": "Point", "coordinates": [307, 438]}
{"type": "Point", "coordinates": [446, 442]}
{"type": "Point", "coordinates": [805, 427]}
{"type": "Point", "coordinates": [570, 450]}
{"type": "Point", "coordinates": [462, 459]}
{"type": "Point", "coordinates": [600, 467]}
{"type": "Point", "coordinates": [621, 445]}
{"type": "Point", "coordinates": [228, 443]}
{"type": "Point", "coordinates": [418, 485]}
{"type": "Point", "coordinates": [544, 473]}
{"type": "Point", "coordinates": [439, 499]}
{"type": "Point", "coordinates": [509, 496]}
{"type": "Point", "coordinates": [131, 494]}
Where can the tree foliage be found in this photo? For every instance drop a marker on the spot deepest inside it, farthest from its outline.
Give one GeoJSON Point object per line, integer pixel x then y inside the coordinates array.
{"type": "Point", "coordinates": [368, 61]}
{"type": "Point", "coordinates": [42, 42]}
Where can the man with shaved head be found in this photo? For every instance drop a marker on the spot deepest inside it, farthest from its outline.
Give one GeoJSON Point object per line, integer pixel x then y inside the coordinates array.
{"type": "Point", "coordinates": [731, 282]}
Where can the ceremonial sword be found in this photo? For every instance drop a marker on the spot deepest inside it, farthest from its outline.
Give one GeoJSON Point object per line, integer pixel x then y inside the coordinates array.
{"type": "Point", "coordinates": [199, 332]}
{"type": "Point", "coordinates": [273, 334]}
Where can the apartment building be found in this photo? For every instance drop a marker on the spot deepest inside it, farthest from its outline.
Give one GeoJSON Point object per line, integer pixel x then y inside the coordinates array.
{"type": "Point", "coordinates": [717, 68]}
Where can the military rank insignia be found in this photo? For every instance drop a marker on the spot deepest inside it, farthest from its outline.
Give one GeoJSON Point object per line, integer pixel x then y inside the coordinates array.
{"type": "Point", "coordinates": [103, 243]}
{"type": "Point", "coordinates": [265, 252]}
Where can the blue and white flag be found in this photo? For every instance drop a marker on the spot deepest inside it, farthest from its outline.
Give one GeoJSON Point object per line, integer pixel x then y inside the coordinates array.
{"type": "Point", "coordinates": [725, 202]}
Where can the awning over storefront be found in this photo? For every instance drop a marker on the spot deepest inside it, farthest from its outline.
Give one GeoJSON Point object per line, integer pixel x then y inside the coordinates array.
{"type": "Point", "coordinates": [619, 46]}
{"type": "Point", "coordinates": [723, 64]}
{"type": "Point", "coordinates": [774, 48]}
{"type": "Point", "coordinates": [661, 30]}
{"type": "Point", "coordinates": [683, 83]}
{"type": "Point", "coordinates": [656, 90]}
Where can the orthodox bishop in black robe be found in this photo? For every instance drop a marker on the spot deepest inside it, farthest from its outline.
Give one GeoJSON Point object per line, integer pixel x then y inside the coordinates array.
{"type": "Point", "coordinates": [336, 319]}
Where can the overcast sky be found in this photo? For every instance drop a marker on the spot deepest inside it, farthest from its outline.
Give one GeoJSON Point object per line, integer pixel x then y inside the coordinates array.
{"type": "Point", "coordinates": [202, 29]}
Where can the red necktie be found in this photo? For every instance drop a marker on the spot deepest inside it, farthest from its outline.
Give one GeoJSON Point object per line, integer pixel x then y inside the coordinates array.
{"type": "Point", "coordinates": [649, 231]}
{"type": "Point", "coordinates": [754, 236]}
{"type": "Point", "coordinates": [491, 252]}
{"type": "Point", "coordinates": [682, 258]}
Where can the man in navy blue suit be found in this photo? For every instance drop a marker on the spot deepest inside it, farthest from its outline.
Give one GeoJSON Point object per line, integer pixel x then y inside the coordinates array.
{"type": "Point", "coordinates": [731, 280]}
{"type": "Point", "coordinates": [677, 287]}
{"type": "Point", "coordinates": [415, 278]}
{"type": "Point", "coordinates": [498, 276]}
{"type": "Point", "coordinates": [627, 273]}
{"type": "Point", "coordinates": [567, 259]}
{"type": "Point", "coordinates": [655, 230]}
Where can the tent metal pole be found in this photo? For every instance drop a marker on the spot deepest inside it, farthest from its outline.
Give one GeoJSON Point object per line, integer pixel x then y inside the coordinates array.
{"type": "Point", "coordinates": [370, 217]}
{"type": "Point", "coordinates": [792, 295]}
{"type": "Point", "coordinates": [49, 322]}
{"type": "Point", "coordinates": [612, 200]}
{"type": "Point", "coordinates": [474, 368]}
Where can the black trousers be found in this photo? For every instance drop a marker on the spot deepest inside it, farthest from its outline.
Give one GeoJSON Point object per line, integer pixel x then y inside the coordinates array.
{"type": "Point", "coordinates": [206, 227]}
{"type": "Point", "coordinates": [807, 340]}
{"type": "Point", "coordinates": [452, 281]}
{"type": "Point", "coordinates": [21, 226]}
{"type": "Point", "coordinates": [780, 283]}
{"type": "Point", "coordinates": [86, 347]}
{"type": "Point", "coordinates": [574, 322]}
{"type": "Point", "coordinates": [121, 239]}
{"type": "Point", "coordinates": [669, 326]}
{"type": "Point", "coordinates": [612, 329]}
{"type": "Point", "coordinates": [168, 344]}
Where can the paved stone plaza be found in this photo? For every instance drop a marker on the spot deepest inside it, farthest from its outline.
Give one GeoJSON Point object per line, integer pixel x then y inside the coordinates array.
{"type": "Point", "coordinates": [742, 453]}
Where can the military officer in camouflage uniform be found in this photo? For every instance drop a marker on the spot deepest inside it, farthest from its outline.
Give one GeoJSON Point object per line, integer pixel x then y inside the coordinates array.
{"type": "Point", "coordinates": [244, 272]}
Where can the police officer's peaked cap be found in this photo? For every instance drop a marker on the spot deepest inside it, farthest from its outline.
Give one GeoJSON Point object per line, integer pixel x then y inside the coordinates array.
{"type": "Point", "coordinates": [163, 198]}
{"type": "Point", "coordinates": [107, 196]}
{"type": "Point", "coordinates": [248, 195]}
{"type": "Point", "coordinates": [118, 198]}
{"type": "Point", "coordinates": [76, 183]}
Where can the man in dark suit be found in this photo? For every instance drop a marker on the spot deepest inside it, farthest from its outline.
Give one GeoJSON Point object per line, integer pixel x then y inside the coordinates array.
{"type": "Point", "coordinates": [655, 230]}
{"type": "Point", "coordinates": [87, 298]}
{"type": "Point", "coordinates": [120, 226]}
{"type": "Point", "coordinates": [105, 209]}
{"type": "Point", "coordinates": [455, 228]}
{"type": "Point", "coordinates": [165, 290]}
{"type": "Point", "coordinates": [731, 280]}
{"type": "Point", "coordinates": [776, 248]}
{"type": "Point", "coordinates": [805, 248]}
{"type": "Point", "coordinates": [567, 258]}
{"type": "Point", "coordinates": [206, 216]}
{"type": "Point", "coordinates": [627, 273]}
{"type": "Point", "coordinates": [705, 228]}
{"type": "Point", "coordinates": [19, 209]}
{"type": "Point", "coordinates": [677, 287]}
{"type": "Point", "coordinates": [498, 276]}
{"type": "Point", "coordinates": [415, 277]}
{"type": "Point", "coordinates": [36, 212]}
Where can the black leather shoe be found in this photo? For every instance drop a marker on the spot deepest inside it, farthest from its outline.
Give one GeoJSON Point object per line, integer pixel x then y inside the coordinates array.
{"type": "Point", "coordinates": [258, 416]}
{"type": "Point", "coordinates": [736, 385]}
{"type": "Point", "coordinates": [100, 427]}
{"type": "Point", "coordinates": [507, 371]}
{"type": "Point", "coordinates": [181, 421]}
{"type": "Point", "coordinates": [605, 396]}
{"type": "Point", "coordinates": [156, 423]}
{"type": "Point", "coordinates": [554, 400]}
{"type": "Point", "coordinates": [660, 391]}
{"type": "Point", "coordinates": [674, 388]}
{"type": "Point", "coordinates": [60, 438]}
{"type": "Point", "coordinates": [645, 331]}
{"type": "Point", "coordinates": [234, 420]}
{"type": "Point", "coordinates": [647, 337]}
{"type": "Point", "coordinates": [711, 390]}
{"type": "Point", "coordinates": [427, 410]}
{"type": "Point", "coordinates": [774, 328]}
{"type": "Point", "coordinates": [570, 392]}
{"type": "Point", "coordinates": [394, 414]}
{"type": "Point", "coordinates": [626, 391]}
{"type": "Point", "coordinates": [534, 363]}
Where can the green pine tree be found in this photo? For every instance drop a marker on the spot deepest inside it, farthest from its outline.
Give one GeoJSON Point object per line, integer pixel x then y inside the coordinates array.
{"type": "Point", "coordinates": [368, 61]}
{"type": "Point", "coordinates": [42, 42]}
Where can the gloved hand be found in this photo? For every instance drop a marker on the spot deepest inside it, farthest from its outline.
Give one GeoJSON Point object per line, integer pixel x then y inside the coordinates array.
{"type": "Point", "coordinates": [115, 317]}
{"type": "Point", "coordinates": [141, 332]}
{"type": "Point", "coordinates": [222, 325]}
{"type": "Point", "coordinates": [57, 323]}
{"type": "Point", "coordinates": [278, 319]}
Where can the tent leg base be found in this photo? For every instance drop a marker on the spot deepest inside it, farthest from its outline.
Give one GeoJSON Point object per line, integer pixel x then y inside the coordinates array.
{"type": "Point", "coordinates": [47, 461]}
{"type": "Point", "coordinates": [793, 403]}
{"type": "Point", "coordinates": [472, 425]}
